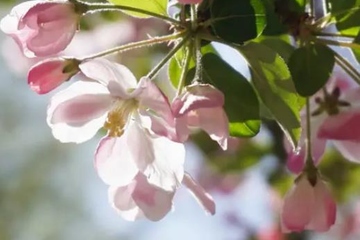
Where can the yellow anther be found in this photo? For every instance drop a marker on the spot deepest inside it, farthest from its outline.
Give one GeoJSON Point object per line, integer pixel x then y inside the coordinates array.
{"type": "Point", "coordinates": [118, 116]}
{"type": "Point", "coordinates": [114, 124]}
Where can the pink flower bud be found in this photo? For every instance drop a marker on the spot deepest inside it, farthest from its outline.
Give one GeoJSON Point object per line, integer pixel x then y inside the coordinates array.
{"type": "Point", "coordinates": [189, 1]}
{"type": "Point", "coordinates": [41, 28]}
{"type": "Point", "coordinates": [49, 74]}
{"type": "Point", "coordinates": [308, 206]}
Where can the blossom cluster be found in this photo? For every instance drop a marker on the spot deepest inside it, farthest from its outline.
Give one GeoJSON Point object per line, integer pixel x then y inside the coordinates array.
{"type": "Point", "coordinates": [141, 157]}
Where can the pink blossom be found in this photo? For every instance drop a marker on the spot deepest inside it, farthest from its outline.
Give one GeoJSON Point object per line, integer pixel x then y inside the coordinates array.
{"type": "Point", "coordinates": [308, 206]}
{"type": "Point", "coordinates": [110, 100]}
{"type": "Point", "coordinates": [49, 74]}
{"type": "Point", "coordinates": [141, 199]}
{"type": "Point", "coordinates": [333, 119]}
{"type": "Point", "coordinates": [189, 1]}
{"type": "Point", "coordinates": [41, 28]}
{"type": "Point", "coordinates": [115, 101]}
{"type": "Point", "coordinates": [199, 106]}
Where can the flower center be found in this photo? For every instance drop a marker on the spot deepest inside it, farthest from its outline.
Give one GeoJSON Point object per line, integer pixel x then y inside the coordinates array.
{"type": "Point", "coordinates": [118, 117]}
{"type": "Point", "coordinates": [330, 103]}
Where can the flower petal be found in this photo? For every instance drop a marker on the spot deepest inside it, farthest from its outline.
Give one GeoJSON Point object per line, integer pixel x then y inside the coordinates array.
{"type": "Point", "coordinates": [197, 96]}
{"type": "Point", "coordinates": [42, 45]}
{"type": "Point", "coordinates": [203, 198]}
{"type": "Point", "coordinates": [299, 203]}
{"type": "Point", "coordinates": [154, 202]}
{"type": "Point", "coordinates": [42, 28]}
{"type": "Point", "coordinates": [160, 159]}
{"type": "Point", "coordinates": [296, 160]}
{"type": "Point", "coordinates": [324, 212]}
{"type": "Point", "coordinates": [150, 96]}
{"type": "Point", "coordinates": [121, 200]}
{"type": "Point", "coordinates": [9, 25]}
{"type": "Point", "coordinates": [78, 112]}
{"type": "Point", "coordinates": [46, 75]}
{"type": "Point", "coordinates": [343, 126]}
{"type": "Point", "coordinates": [116, 77]}
{"type": "Point", "coordinates": [161, 127]}
{"type": "Point", "coordinates": [349, 149]}
{"type": "Point", "coordinates": [114, 162]}
{"type": "Point", "coordinates": [213, 121]}
{"type": "Point", "coordinates": [352, 96]}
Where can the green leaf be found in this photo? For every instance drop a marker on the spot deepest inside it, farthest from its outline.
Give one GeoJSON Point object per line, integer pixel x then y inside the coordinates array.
{"type": "Point", "coordinates": [238, 21]}
{"type": "Point", "coordinates": [347, 15]}
{"type": "Point", "coordinates": [176, 65]}
{"type": "Point", "coordinates": [311, 67]}
{"type": "Point", "coordinates": [272, 80]}
{"type": "Point", "coordinates": [155, 6]}
{"type": "Point", "coordinates": [280, 44]}
{"type": "Point", "coordinates": [241, 103]}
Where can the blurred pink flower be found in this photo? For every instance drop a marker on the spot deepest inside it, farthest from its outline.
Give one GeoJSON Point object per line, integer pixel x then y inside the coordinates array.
{"type": "Point", "coordinates": [101, 37]}
{"type": "Point", "coordinates": [270, 234]}
{"type": "Point", "coordinates": [41, 28]}
{"type": "Point", "coordinates": [199, 106]}
{"type": "Point", "coordinates": [140, 199]}
{"type": "Point", "coordinates": [334, 117]}
{"type": "Point", "coordinates": [308, 206]}
{"type": "Point", "coordinates": [49, 74]}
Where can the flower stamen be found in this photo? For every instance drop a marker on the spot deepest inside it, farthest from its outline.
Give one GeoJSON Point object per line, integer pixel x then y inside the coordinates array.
{"type": "Point", "coordinates": [118, 117]}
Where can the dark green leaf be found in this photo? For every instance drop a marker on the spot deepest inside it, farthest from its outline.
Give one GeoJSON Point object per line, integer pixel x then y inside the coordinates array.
{"type": "Point", "coordinates": [238, 21]}
{"type": "Point", "coordinates": [282, 15]}
{"type": "Point", "coordinates": [155, 6]}
{"type": "Point", "coordinates": [311, 67]}
{"type": "Point", "coordinates": [272, 80]}
{"type": "Point", "coordinates": [241, 103]}
{"type": "Point", "coordinates": [273, 23]}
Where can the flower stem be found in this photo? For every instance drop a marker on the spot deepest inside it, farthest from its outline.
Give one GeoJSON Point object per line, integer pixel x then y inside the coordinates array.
{"type": "Point", "coordinates": [341, 35]}
{"type": "Point", "coordinates": [310, 167]}
{"type": "Point", "coordinates": [134, 45]}
{"type": "Point", "coordinates": [312, 8]}
{"type": "Point", "coordinates": [193, 12]}
{"type": "Point", "coordinates": [347, 67]}
{"type": "Point", "coordinates": [184, 71]}
{"type": "Point", "coordinates": [158, 67]}
{"type": "Point", "coordinates": [196, 45]}
{"type": "Point", "coordinates": [337, 43]}
{"type": "Point", "coordinates": [91, 7]}
{"type": "Point", "coordinates": [198, 56]}
{"type": "Point", "coordinates": [308, 132]}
